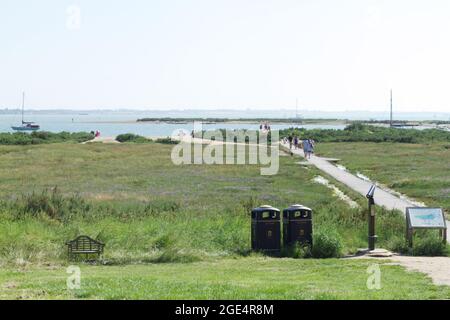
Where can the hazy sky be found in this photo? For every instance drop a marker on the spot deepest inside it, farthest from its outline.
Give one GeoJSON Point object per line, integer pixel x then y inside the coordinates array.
{"type": "Point", "coordinates": [165, 54]}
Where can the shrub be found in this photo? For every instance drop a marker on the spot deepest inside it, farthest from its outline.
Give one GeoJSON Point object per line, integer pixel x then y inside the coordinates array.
{"type": "Point", "coordinates": [167, 140]}
{"type": "Point", "coordinates": [359, 132]}
{"type": "Point", "coordinates": [398, 245]}
{"type": "Point", "coordinates": [52, 204]}
{"type": "Point", "coordinates": [296, 251]}
{"type": "Point", "coordinates": [41, 137]}
{"type": "Point", "coordinates": [429, 246]}
{"type": "Point", "coordinates": [165, 241]}
{"type": "Point", "coordinates": [326, 244]}
{"type": "Point", "coordinates": [130, 137]}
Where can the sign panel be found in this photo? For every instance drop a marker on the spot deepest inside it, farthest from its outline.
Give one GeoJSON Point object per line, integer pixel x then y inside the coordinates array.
{"type": "Point", "coordinates": [426, 218]}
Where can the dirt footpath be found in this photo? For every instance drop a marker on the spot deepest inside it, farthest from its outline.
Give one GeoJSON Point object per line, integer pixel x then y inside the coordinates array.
{"type": "Point", "coordinates": [437, 268]}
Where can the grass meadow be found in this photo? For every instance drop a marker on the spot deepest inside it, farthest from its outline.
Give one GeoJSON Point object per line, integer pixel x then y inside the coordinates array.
{"type": "Point", "coordinates": [175, 231]}
{"type": "Point", "coordinates": [421, 171]}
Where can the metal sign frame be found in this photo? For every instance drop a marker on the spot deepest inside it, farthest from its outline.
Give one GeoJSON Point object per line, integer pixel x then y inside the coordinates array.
{"type": "Point", "coordinates": [410, 228]}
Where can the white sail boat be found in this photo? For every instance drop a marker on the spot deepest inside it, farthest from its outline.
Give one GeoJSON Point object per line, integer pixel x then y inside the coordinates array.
{"type": "Point", "coordinates": [26, 126]}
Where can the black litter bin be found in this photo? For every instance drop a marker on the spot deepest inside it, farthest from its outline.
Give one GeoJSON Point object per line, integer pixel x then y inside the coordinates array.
{"type": "Point", "coordinates": [297, 225]}
{"type": "Point", "coordinates": [266, 233]}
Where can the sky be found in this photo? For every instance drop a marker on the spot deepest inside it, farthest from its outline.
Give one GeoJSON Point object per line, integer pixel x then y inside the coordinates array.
{"type": "Point", "coordinates": [226, 54]}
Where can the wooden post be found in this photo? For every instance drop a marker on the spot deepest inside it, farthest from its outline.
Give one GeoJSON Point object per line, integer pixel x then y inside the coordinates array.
{"type": "Point", "coordinates": [410, 237]}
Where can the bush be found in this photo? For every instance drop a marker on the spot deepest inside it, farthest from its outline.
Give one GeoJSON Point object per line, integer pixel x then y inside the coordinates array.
{"type": "Point", "coordinates": [326, 244]}
{"type": "Point", "coordinates": [296, 251]}
{"type": "Point", "coordinates": [167, 140]}
{"type": "Point", "coordinates": [424, 244]}
{"type": "Point", "coordinates": [130, 137]}
{"type": "Point", "coordinates": [51, 204]}
{"type": "Point", "coordinates": [359, 132]}
{"type": "Point", "coordinates": [41, 137]}
{"type": "Point", "coordinates": [429, 246]}
{"type": "Point", "coordinates": [398, 245]}
{"type": "Point", "coordinates": [166, 241]}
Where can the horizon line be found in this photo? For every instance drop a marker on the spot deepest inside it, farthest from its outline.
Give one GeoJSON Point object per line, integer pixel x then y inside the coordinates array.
{"type": "Point", "coordinates": [219, 109]}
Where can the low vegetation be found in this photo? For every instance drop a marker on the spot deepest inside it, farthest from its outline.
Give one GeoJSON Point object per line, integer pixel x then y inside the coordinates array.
{"type": "Point", "coordinates": [358, 132]}
{"type": "Point", "coordinates": [43, 137]}
{"type": "Point", "coordinates": [166, 140]}
{"type": "Point", "coordinates": [134, 138]}
{"type": "Point", "coordinates": [145, 208]}
{"type": "Point", "coordinates": [151, 210]}
{"type": "Point", "coordinates": [130, 137]}
{"type": "Point", "coordinates": [327, 244]}
{"type": "Point", "coordinates": [174, 220]}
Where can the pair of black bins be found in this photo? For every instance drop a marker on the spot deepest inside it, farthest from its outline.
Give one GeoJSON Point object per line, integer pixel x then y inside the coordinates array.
{"type": "Point", "coordinates": [266, 228]}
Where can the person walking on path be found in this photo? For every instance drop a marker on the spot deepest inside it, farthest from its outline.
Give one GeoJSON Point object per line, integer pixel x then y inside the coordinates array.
{"type": "Point", "coordinates": [307, 148]}
{"type": "Point", "coordinates": [290, 142]}
{"type": "Point", "coordinates": [296, 142]}
{"type": "Point", "coordinates": [312, 144]}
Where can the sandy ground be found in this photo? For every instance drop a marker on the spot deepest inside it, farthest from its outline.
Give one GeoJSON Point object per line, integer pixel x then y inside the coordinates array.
{"type": "Point", "coordinates": [437, 268]}
{"type": "Point", "coordinates": [102, 140]}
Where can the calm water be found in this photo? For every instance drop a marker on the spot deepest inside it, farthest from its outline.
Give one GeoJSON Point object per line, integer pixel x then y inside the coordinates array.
{"type": "Point", "coordinates": [114, 123]}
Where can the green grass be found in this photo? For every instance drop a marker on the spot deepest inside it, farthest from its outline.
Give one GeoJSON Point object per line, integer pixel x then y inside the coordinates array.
{"type": "Point", "coordinates": [421, 171]}
{"type": "Point", "coordinates": [244, 278]}
{"type": "Point", "coordinates": [131, 196]}
{"type": "Point", "coordinates": [173, 231]}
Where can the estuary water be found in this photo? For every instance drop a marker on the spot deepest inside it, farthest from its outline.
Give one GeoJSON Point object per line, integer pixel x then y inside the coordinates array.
{"type": "Point", "coordinates": [114, 123]}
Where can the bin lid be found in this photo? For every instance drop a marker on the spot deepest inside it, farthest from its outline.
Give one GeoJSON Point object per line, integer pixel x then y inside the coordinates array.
{"type": "Point", "coordinates": [265, 208]}
{"type": "Point", "coordinates": [298, 206]}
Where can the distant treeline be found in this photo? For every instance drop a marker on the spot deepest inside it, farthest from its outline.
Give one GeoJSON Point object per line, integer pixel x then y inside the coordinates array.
{"type": "Point", "coordinates": [409, 122]}
{"type": "Point", "coordinates": [358, 132]}
{"type": "Point", "coordinates": [41, 137]}
{"type": "Point", "coordinates": [222, 120]}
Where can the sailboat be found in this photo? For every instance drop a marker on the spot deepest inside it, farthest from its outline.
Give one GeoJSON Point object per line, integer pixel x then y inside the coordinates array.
{"type": "Point", "coordinates": [26, 126]}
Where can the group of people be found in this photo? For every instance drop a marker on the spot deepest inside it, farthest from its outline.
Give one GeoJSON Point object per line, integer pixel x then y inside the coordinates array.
{"type": "Point", "coordinates": [264, 126]}
{"type": "Point", "coordinates": [307, 145]}
{"type": "Point", "coordinates": [96, 133]}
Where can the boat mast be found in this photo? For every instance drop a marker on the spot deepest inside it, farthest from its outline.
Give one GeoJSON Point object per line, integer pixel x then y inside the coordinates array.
{"type": "Point", "coordinates": [391, 110]}
{"type": "Point", "coordinates": [23, 104]}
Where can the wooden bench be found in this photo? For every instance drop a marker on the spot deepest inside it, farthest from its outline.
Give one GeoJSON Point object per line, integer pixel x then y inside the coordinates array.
{"type": "Point", "coordinates": [84, 245]}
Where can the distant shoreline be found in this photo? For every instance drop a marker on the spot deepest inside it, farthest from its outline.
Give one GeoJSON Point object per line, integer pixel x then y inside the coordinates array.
{"type": "Point", "coordinates": [245, 120]}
